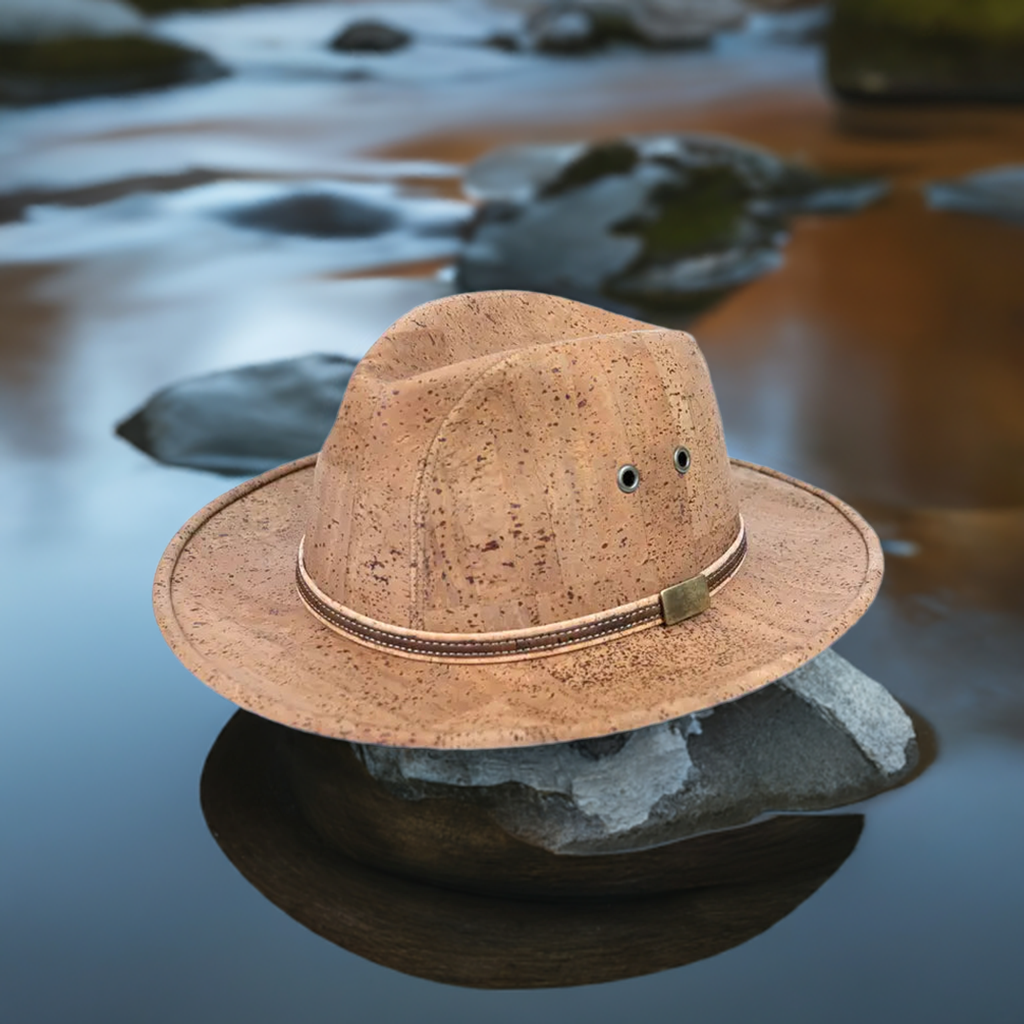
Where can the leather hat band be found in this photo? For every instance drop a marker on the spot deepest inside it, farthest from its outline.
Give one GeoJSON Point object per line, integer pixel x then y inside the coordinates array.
{"type": "Point", "coordinates": [674, 604]}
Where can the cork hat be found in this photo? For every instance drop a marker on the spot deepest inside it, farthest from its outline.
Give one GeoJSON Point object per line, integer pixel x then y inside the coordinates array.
{"type": "Point", "coordinates": [523, 528]}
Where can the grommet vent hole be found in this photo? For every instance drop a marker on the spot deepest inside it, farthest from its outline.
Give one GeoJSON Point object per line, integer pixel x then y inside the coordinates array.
{"type": "Point", "coordinates": [629, 478]}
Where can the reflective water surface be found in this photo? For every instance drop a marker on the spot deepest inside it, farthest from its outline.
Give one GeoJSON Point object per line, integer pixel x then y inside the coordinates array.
{"type": "Point", "coordinates": [883, 361]}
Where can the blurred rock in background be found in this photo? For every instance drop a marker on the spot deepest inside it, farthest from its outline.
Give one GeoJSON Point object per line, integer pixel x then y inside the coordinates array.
{"type": "Point", "coordinates": [927, 49]}
{"type": "Point", "coordinates": [368, 36]}
{"type": "Point", "coordinates": [577, 26]}
{"type": "Point", "coordinates": [162, 6]}
{"type": "Point", "coordinates": [669, 221]}
{"type": "Point", "coordinates": [63, 49]}
{"type": "Point", "coordinates": [998, 192]}
{"type": "Point", "coordinates": [329, 209]}
{"type": "Point", "coordinates": [243, 421]}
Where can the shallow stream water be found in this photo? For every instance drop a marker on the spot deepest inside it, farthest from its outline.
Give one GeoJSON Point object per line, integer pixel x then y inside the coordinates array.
{"type": "Point", "coordinates": [883, 361]}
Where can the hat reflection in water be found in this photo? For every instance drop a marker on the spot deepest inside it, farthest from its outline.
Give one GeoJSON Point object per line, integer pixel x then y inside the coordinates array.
{"type": "Point", "coordinates": [747, 880]}
{"type": "Point", "coordinates": [517, 490]}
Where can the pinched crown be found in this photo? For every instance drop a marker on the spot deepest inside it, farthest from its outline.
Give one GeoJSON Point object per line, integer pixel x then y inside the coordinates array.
{"type": "Point", "coordinates": [506, 460]}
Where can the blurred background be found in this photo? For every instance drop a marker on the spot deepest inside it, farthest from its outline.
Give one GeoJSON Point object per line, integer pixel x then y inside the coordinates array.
{"type": "Point", "coordinates": [829, 196]}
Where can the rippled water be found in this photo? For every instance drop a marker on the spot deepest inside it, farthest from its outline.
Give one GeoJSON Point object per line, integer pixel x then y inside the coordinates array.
{"type": "Point", "coordinates": [883, 361]}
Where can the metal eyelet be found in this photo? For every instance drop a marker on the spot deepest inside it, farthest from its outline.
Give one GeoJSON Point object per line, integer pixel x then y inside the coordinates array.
{"type": "Point", "coordinates": [681, 459]}
{"type": "Point", "coordinates": [629, 478]}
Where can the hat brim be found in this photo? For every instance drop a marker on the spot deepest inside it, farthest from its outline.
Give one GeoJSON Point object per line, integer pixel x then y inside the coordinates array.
{"type": "Point", "coordinates": [226, 601]}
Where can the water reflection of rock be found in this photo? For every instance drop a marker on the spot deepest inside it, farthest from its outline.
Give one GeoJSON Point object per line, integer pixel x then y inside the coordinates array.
{"type": "Point", "coordinates": [661, 221]}
{"type": "Point", "coordinates": [243, 421]}
{"type": "Point", "coordinates": [759, 875]}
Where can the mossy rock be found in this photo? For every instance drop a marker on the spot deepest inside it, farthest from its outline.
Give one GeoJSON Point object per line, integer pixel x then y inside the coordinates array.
{"type": "Point", "coordinates": [927, 49]}
{"type": "Point", "coordinates": [640, 222]}
{"type": "Point", "coordinates": [69, 68]}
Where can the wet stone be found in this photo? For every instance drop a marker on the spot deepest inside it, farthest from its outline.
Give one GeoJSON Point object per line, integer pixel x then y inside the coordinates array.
{"type": "Point", "coordinates": [161, 6]}
{"type": "Point", "coordinates": [336, 210]}
{"type": "Point", "coordinates": [918, 49]}
{"type": "Point", "coordinates": [370, 37]}
{"type": "Point", "coordinates": [823, 736]}
{"type": "Point", "coordinates": [243, 421]}
{"type": "Point", "coordinates": [63, 69]}
{"type": "Point", "coordinates": [642, 221]}
{"type": "Point", "coordinates": [998, 192]}
{"type": "Point", "coordinates": [317, 215]}
{"type": "Point", "coordinates": [581, 26]}
{"type": "Point", "coordinates": [64, 49]}
{"type": "Point", "coordinates": [564, 31]}
{"type": "Point", "coordinates": [36, 21]}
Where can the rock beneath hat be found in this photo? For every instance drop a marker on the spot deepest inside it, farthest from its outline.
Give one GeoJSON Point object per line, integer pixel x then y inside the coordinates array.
{"type": "Point", "coordinates": [370, 37]}
{"type": "Point", "coordinates": [641, 221]}
{"type": "Point", "coordinates": [243, 421]}
{"type": "Point", "coordinates": [998, 192]}
{"type": "Point", "coordinates": [908, 50]}
{"type": "Point", "coordinates": [65, 49]}
{"type": "Point", "coordinates": [822, 736]}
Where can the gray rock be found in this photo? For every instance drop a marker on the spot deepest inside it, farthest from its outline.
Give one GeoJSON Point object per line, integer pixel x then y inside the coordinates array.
{"type": "Point", "coordinates": [65, 49]}
{"type": "Point", "coordinates": [579, 26]}
{"type": "Point", "coordinates": [685, 22]}
{"type": "Point", "coordinates": [61, 69]}
{"type": "Point", "coordinates": [332, 209]}
{"type": "Point", "coordinates": [370, 37]}
{"type": "Point", "coordinates": [316, 214]}
{"type": "Point", "coordinates": [998, 192]}
{"type": "Point", "coordinates": [564, 30]}
{"type": "Point", "coordinates": [823, 736]}
{"type": "Point", "coordinates": [165, 6]}
{"type": "Point", "coordinates": [666, 220]}
{"type": "Point", "coordinates": [799, 23]}
{"type": "Point", "coordinates": [37, 21]}
{"type": "Point", "coordinates": [243, 421]}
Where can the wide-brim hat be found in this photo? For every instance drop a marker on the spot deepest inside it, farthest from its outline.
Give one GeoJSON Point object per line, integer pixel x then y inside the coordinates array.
{"type": "Point", "coordinates": [523, 529]}
{"type": "Point", "coordinates": [764, 872]}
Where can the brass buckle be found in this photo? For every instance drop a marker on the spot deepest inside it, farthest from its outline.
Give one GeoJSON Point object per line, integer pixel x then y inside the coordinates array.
{"type": "Point", "coordinates": [684, 600]}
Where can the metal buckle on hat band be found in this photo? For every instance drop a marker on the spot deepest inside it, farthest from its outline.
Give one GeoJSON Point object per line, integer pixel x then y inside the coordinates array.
{"type": "Point", "coordinates": [673, 605]}
{"type": "Point", "coordinates": [686, 599]}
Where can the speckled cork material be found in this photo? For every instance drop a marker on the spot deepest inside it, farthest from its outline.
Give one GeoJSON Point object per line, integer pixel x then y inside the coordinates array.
{"type": "Point", "coordinates": [470, 486]}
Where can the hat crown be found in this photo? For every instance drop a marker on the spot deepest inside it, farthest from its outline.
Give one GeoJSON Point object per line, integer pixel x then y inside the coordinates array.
{"type": "Point", "coordinates": [471, 480]}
